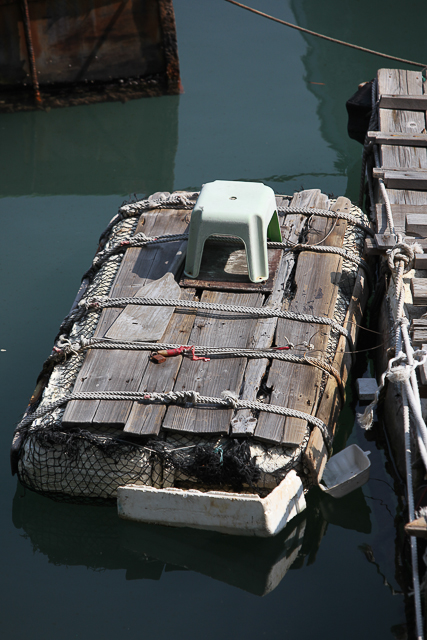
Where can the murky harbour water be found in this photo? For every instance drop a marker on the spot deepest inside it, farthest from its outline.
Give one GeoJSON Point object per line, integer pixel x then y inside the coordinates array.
{"type": "Point", "coordinates": [261, 102]}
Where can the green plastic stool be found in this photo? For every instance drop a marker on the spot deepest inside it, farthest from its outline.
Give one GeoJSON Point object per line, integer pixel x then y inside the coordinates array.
{"type": "Point", "coordinates": [246, 210]}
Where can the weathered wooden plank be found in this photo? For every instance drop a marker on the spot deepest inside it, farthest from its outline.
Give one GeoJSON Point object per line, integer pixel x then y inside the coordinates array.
{"type": "Point", "coordinates": [404, 102]}
{"type": "Point", "coordinates": [102, 369]}
{"type": "Point", "coordinates": [385, 240]}
{"type": "Point", "coordinates": [298, 386]}
{"type": "Point", "coordinates": [419, 331]}
{"type": "Point", "coordinates": [382, 221]}
{"type": "Point", "coordinates": [419, 291]}
{"type": "Point", "coordinates": [244, 423]}
{"type": "Point", "coordinates": [372, 249]}
{"type": "Point", "coordinates": [213, 377]}
{"type": "Point", "coordinates": [404, 201]}
{"type": "Point", "coordinates": [224, 268]}
{"type": "Point", "coordinates": [399, 139]}
{"type": "Point", "coordinates": [403, 83]}
{"type": "Point", "coordinates": [316, 454]}
{"type": "Point", "coordinates": [146, 324]}
{"type": "Point", "coordinates": [421, 261]}
{"type": "Point", "coordinates": [416, 223]}
{"type": "Point", "coordinates": [147, 419]}
{"type": "Point", "coordinates": [402, 178]}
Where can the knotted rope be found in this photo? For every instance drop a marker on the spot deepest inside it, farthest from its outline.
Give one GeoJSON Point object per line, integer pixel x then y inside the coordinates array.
{"type": "Point", "coordinates": [66, 347]}
{"type": "Point", "coordinates": [104, 302]}
{"type": "Point", "coordinates": [227, 401]}
{"type": "Point", "coordinates": [401, 369]}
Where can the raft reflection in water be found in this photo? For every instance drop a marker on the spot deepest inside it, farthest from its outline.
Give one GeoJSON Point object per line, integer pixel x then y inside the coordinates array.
{"type": "Point", "coordinates": [95, 537]}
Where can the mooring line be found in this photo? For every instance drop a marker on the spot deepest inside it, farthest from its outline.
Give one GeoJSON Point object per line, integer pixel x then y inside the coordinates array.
{"type": "Point", "coordinates": [320, 35]}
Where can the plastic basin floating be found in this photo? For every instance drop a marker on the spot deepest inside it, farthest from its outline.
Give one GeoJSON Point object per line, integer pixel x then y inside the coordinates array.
{"type": "Point", "coordinates": [346, 471]}
{"type": "Point", "coordinates": [233, 513]}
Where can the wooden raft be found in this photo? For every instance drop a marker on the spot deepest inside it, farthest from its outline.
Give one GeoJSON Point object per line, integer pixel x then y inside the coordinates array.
{"type": "Point", "coordinates": [154, 271]}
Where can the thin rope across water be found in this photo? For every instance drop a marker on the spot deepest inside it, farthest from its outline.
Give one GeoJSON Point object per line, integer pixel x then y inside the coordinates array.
{"type": "Point", "coordinates": [320, 35]}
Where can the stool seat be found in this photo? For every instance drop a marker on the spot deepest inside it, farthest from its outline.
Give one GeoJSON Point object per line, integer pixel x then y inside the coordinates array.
{"type": "Point", "coordinates": [246, 210]}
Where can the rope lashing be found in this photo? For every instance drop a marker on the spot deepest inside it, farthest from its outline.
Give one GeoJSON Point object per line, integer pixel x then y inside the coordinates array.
{"type": "Point", "coordinates": [104, 302]}
{"type": "Point", "coordinates": [141, 240]}
{"type": "Point", "coordinates": [403, 252]}
{"type": "Point", "coordinates": [325, 213]}
{"type": "Point", "coordinates": [183, 202]}
{"type": "Point", "coordinates": [169, 202]}
{"type": "Point", "coordinates": [227, 401]}
{"type": "Point", "coordinates": [65, 347]}
{"type": "Point", "coordinates": [401, 369]}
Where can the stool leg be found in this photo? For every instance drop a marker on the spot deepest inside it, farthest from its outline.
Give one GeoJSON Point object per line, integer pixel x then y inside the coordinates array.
{"type": "Point", "coordinates": [256, 253]}
{"type": "Point", "coordinates": [193, 259]}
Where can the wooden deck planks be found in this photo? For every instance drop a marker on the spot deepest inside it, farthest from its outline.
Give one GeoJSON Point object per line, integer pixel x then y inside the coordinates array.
{"type": "Point", "coordinates": [213, 377]}
{"type": "Point", "coordinates": [291, 227]}
{"type": "Point", "coordinates": [147, 419]}
{"type": "Point", "coordinates": [296, 386]}
{"type": "Point", "coordinates": [122, 370]}
{"type": "Point", "coordinates": [293, 385]}
{"type": "Point", "coordinates": [316, 454]}
{"type": "Point", "coordinates": [400, 82]}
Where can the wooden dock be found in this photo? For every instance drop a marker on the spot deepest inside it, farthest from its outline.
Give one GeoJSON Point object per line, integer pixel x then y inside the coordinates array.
{"type": "Point", "coordinates": [305, 282]}
{"type": "Point", "coordinates": [402, 144]}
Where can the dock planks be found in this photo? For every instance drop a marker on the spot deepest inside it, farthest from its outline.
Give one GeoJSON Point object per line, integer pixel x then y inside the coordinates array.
{"type": "Point", "coordinates": [298, 386]}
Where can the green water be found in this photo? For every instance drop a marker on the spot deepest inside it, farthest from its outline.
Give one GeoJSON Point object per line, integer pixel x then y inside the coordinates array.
{"type": "Point", "coordinates": [261, 102]}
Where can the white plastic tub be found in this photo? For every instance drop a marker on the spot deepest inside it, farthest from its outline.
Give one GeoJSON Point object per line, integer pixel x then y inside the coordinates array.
{"type": "Point", "coordinates": [346, 471]}
{"type": "Point", "coordinates": [234, 513]}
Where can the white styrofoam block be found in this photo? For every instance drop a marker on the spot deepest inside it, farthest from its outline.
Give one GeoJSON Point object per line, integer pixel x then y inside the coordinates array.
{"type": "Point", "coordinates": [366, 388]}
{"type": "Point", "coordinates": [234, 513]}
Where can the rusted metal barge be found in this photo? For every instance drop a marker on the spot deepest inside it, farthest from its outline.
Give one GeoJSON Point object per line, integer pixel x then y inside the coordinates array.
{"type": "Point", "coordinates": [58, 54]}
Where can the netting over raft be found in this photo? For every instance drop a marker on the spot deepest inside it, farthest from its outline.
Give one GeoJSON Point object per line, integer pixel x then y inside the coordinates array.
{"type": "Point", "coordinates": [91, 463]}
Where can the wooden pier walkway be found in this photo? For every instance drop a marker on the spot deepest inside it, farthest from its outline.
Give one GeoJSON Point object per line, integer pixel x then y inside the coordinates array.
{"type": "Point", "coordinates": [155, 271]}
{"type": "Point", "coordinates": [402, 142]}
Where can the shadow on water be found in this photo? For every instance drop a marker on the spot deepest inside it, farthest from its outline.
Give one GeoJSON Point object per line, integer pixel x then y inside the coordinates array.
{"type": "Point", "coordinates": [78, 151]}
{"type": "Point", "coordinates": [94, 536]}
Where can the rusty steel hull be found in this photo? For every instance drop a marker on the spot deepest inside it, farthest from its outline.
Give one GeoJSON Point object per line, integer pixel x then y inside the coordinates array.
{"type": "Point", "coordinates": [75, 48]}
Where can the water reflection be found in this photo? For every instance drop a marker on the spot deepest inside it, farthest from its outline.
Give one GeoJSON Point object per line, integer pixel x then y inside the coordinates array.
{"type": "Point", "coordinates": [110, 148]}
{"type": "Point", "coordinates": [97, 538]}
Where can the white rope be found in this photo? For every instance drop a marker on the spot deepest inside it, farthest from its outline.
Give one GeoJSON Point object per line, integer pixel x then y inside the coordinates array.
{"type": "Point", "coordinates": [228, 400]}
{"type": "Point", "coordinates": [104, 302]}
{"type": "Point", "coordinates": [66, 347]}
{"type": "Point", "coordinates": [414, 550]}
{"type": "Point", "coordinates": [401, 370]}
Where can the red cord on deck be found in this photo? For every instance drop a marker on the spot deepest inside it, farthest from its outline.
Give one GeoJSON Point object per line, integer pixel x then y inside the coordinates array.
{"type": "Point", "coordinates": [171, 353]}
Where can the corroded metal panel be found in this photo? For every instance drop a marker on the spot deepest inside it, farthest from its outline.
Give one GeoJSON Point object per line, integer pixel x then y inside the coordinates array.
{"type": "Point", "coordinates": [89, 41]}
